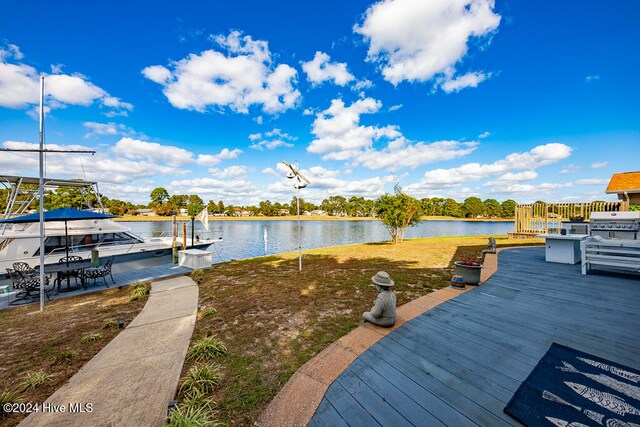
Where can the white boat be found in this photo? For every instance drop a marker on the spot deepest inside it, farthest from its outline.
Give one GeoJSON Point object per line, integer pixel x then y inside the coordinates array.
{"type": "Point", "coordinates": [20, 242]}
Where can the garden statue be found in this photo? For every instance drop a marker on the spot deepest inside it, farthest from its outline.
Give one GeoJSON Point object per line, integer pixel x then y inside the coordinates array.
{"type": "Point", "coordinates": [490, 249]}
{"type": "Point", "coordinates": [383, 312]}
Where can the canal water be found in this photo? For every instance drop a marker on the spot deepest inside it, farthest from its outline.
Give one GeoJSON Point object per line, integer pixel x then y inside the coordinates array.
{"type": "Point", "coordinates": [245, 239]}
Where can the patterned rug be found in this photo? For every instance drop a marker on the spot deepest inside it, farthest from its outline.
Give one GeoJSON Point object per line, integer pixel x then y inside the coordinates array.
{"type": "Point", "coordinates": [569, 388]}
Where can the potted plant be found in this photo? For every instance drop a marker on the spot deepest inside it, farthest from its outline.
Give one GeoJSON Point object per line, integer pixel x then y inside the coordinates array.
{"type": "Point", "coordinates": [469, 269]}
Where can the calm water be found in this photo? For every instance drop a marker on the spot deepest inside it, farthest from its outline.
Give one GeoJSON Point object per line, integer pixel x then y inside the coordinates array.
{"type": "Point", "coordinates": [245, 239]}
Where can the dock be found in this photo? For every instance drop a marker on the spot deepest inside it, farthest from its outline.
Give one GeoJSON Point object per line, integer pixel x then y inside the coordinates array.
{"type": "Point", "coordinates": [461, 362]}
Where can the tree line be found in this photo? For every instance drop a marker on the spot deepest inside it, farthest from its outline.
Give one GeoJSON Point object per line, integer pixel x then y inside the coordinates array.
{"type": "Point", "coordinates": [472, 207]}
{"type": "Point", "coordinates": [164, 204]}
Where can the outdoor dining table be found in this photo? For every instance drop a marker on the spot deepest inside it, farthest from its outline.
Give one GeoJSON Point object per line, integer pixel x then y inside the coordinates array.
{"type": "Point", "coordinates": [64, 267]}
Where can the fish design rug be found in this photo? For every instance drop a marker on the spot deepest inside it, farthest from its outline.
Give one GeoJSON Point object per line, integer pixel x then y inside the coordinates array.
{"type": "Point", "coordinates": [569, 388]}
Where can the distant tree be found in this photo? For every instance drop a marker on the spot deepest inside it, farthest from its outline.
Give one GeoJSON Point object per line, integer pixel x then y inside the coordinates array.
{"type": "Point", "coordinates": [452, 208]}
{"type": "Point", "coordinates": [220, 207]}
{"type": "Point", "coordinates": [178, 201]}
{"type": "Point", "coordinates": [194, 199]}
{"type": "Point", "coordinates": [194, 209]}
{"type": "Point", "coordinates": [492, 208]}
{"type": "Point", "coordinates": [72, 197]}
{"type": "Point", "coordinates": [508, 208]}
{"type": "Point", "coordinates": [473, 207]}
{"type": "Point", "coordinates": [334, 205]}
{"type": "Point", "coordinates": [229, 210]}
{"type": "Point", "coordinates": [427, 206]}
{"type": "Point", "coordinates": [266, 208]}
{"type": "Point", "coordinates": [397, 212]}
{"type": "Point", "coordinates": [164, 209]}
{"type": "Point", "coordinates": [158, 196]}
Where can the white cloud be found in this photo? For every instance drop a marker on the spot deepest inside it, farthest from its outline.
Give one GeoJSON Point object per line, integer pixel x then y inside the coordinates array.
{"type": "Point", "coordinates": [152, 151]}
{"type": "Point", "coordinates": [321, 69]}
{"type": "Point", "coordinates": [528, 161]}
{"type": "Point", "coordinates": [530, 188]}
{"type": "Point", "coordinates": [598, 165]}
{"type": "Point", "coordinates": [102, 167]}
{"type": "Point", "coordinates": [339, 136]}
{"type": "Point", "coordinates": [244, 77]}
{"type": "Point", "coordinates": [326, 182]}
{"type": "Point", "coordinates": [214, 159]}
{"type": "Point", "coordinates": [484, 135]}
{"type": "Point", "coordinates": [362, 85]}
{"type": "Point", "coordinates": [20, 86]}
{"type": "Point", "coordinates": [235, 191]}
{"type": "Point", "coordinates": [456, 84]}
{"type": "Point", "coordinates": [592, 181]}
{"type": "Point", "coordinates": [111, 128]}
{"type": "Point", "coordinates": [511, 177]}
{"type": "Point", "coordinates": [416, 40]}
{"type": "Point", "coordinates": [570, 168]}
{"type": "Point", "coordinates": [230, 172]}
{"type": "Point", "coordinates": [592, 78]}
{"type": "Point", "coordinates": [395, 107]}
{"type": "Point", "coordinates": [271, 140]}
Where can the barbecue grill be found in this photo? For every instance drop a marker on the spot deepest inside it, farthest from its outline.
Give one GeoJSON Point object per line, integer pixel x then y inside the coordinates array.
{"type": "Point", "coordinates": [615, 225]}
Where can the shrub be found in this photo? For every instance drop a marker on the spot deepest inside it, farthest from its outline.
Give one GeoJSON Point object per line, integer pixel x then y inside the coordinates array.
{"type": "Point", "coordinates": [208, 312]}
{"type": "Point", "coordinates": [206, 348]}
{"type": "Point", "coordinates": [8, 397]}
{"type": "Point", "coordinates": [35, 379]}
{"type": "Point", "coordinates": [92, 337]}
{"type": "Point", "coordinates": [64, 356]}
{"type": "Point", "coordinates": [189, 416]}
{"type": "Point", "coordinates": [110, 324]}
{"type": "Point", "coordinates": [197, 399]}
{"type": "Point", "coordinates": [140, 290]}
{"type": "Point", "coordinates": [200, 381]}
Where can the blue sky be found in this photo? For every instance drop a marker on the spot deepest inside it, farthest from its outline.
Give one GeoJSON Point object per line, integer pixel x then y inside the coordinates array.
{"type": "Point", "coordinates": [449, 98]}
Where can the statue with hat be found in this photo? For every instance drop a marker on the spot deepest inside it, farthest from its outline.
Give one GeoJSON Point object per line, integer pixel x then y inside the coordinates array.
{"type": "Point", "coordinates": [383, 312]}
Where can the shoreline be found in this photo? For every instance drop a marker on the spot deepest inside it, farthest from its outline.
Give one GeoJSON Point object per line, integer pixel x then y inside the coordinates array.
{"type": "Point", "coordinates": [135, 218]}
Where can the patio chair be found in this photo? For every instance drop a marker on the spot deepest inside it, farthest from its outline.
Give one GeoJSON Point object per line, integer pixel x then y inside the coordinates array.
{"type": "Point", "coordinates": [76, 274]}
{"type": "Point", "coordinates": [27, 280]}
{"type": "Point", "coordinates": [104, 271]}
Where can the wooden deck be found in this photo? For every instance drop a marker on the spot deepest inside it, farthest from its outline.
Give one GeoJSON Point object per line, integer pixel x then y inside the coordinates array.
{"type": "Point", "coordinates": [459, 363]}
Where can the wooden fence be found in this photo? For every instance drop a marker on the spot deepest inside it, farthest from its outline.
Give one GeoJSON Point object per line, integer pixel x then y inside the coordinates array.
{"type": "Point", "coordinates": [539, 218]}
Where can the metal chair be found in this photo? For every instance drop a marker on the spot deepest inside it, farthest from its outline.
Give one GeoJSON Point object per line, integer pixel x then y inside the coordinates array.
{"type": "Point", "coordinates": [76, 274]}
{"type": "Point", "coordinates": [104, 271]}
{"type": "Point", "coordinates": [28, 280]}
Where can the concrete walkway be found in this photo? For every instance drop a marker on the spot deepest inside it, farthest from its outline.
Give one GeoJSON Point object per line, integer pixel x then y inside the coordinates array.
{"type": "Point", "coordinates": [298, 400]}
{"type": "Point", "coordinates": [131, 380]}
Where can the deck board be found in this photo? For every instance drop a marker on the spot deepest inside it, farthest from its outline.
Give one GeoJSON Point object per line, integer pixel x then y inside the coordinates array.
{"type": "Point", "coordinates": [460, 362]}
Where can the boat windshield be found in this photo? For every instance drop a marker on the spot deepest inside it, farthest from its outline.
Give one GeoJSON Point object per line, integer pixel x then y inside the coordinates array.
{"type": "Point", "coordinates": [87, 242]}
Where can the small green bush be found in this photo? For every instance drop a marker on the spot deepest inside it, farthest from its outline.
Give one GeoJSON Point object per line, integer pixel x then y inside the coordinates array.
{"type": "Point", "coordinates": [35, 379]}
{"type": "Point", "coordinates": [190, 416]}
{"type": "Point", "coordinates": [209, 311]}
{"type": "Point", "coordinates": [200, 381]}
{"type": "Point", "coordinates": [64, 356]}
{"type": "Point", "coordinates": [8, 397]}
{"type": "Point", "coordinates": [206, 348]}
{"type": "Point", "coordinates": [92, 337]}
{"type": "Point", "coordinates": [110, 324]}
{"type": "Point", "coordinates": [140, 290]}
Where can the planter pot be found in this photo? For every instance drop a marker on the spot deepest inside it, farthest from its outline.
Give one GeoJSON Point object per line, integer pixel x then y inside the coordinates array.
{"type": "Point", "coordinates": [470, 273]}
